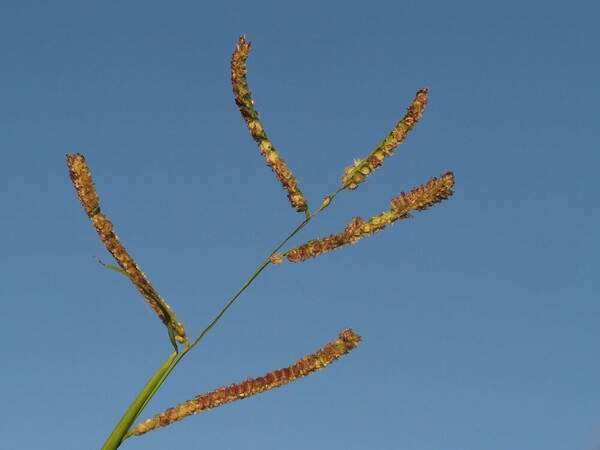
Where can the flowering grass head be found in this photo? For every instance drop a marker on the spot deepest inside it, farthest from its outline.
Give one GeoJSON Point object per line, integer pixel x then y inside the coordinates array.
{"type": "Point", "coordinates": [423, 197]}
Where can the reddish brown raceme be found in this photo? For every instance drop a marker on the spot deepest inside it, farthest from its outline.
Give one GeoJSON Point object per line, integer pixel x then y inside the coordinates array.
{"type": "Point", "coordinates": [84, 185]}
{"type": "Point", "coordinates": [357, 173]}
{"type": "Point", "coordinates": [243, 99]}
{"type": "Point", "coordinates": [432, 192]}
{"type": "Point", "coordinates": [346, 341]}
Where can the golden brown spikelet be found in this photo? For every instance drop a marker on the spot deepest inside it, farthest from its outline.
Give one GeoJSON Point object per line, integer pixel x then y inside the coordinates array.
{"type": "Point", "coordinates": [421, 198]}
{"type": "Point", "coordinates": [346, 341]}
{"type": "Point", "coordinates": [357, 173]}
{"type": "Point", "coordinates": [432, 192]}
{"type": "Point", "coordinates": [243, 99]}
{"type": "Point", "coordinates": [276, 258]}
{"type": "Point", "coordinates": [82, 180]}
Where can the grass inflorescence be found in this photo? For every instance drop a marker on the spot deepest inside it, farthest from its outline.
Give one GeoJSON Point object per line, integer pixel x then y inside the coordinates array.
{"type": "Point", "coordinates": [423, 197]}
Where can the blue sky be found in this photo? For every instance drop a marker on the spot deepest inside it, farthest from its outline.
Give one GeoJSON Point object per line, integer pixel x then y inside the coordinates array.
{"type": "Point", "coordinates": [479, 317]}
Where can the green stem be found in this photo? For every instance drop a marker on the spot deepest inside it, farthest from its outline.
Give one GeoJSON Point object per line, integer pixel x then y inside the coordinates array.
{"type": "Point", "coordinates": [257, 272]}
{"type": "Point", "coordinates": [120, 432]}
{"type": "Point", "coordinates": [117, 435]}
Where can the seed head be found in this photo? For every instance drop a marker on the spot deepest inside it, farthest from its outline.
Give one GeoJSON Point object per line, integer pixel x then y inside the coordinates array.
{"type": "Point", "coordinates": [421, 198]}
{"type": "Point", "coordinates": [243, 99]}
{"type": "Point", "coordinates": [86, 191]}
{"type": "Point", "coordinates": [345, 342]}
{"type": "Point", "coordinates": [356, 174]}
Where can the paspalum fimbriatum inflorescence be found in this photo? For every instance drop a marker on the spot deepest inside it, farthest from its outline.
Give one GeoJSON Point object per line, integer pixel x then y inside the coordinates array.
{"type": "Point", "coordinates": [419, 198]}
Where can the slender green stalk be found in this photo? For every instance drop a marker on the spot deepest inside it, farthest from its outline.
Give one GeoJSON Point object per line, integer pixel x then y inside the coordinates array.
{"type": "Point", "coordinates": [117, 435]}
{"type": "Point", "coordinates": [144, 397]}
{"type": "Point", "coordinates": [256, 273]}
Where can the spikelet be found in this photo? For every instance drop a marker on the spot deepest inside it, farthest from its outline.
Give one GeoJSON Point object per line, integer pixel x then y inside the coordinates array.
{"type": "Point", "coordinates": [82, 180]}
{"type": "Point", "coordinates": [423, 197]}
{"type": "Point", "coordinates": [434, 191]}
{"type": "Point", "coordinates": [357, 173]}
{"type": "Point", "coordinates": [243, 100]}
{"type": "Point", "coordinates": [276, 258]}
{"type": "Point", "coordinates": [346, 341]}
